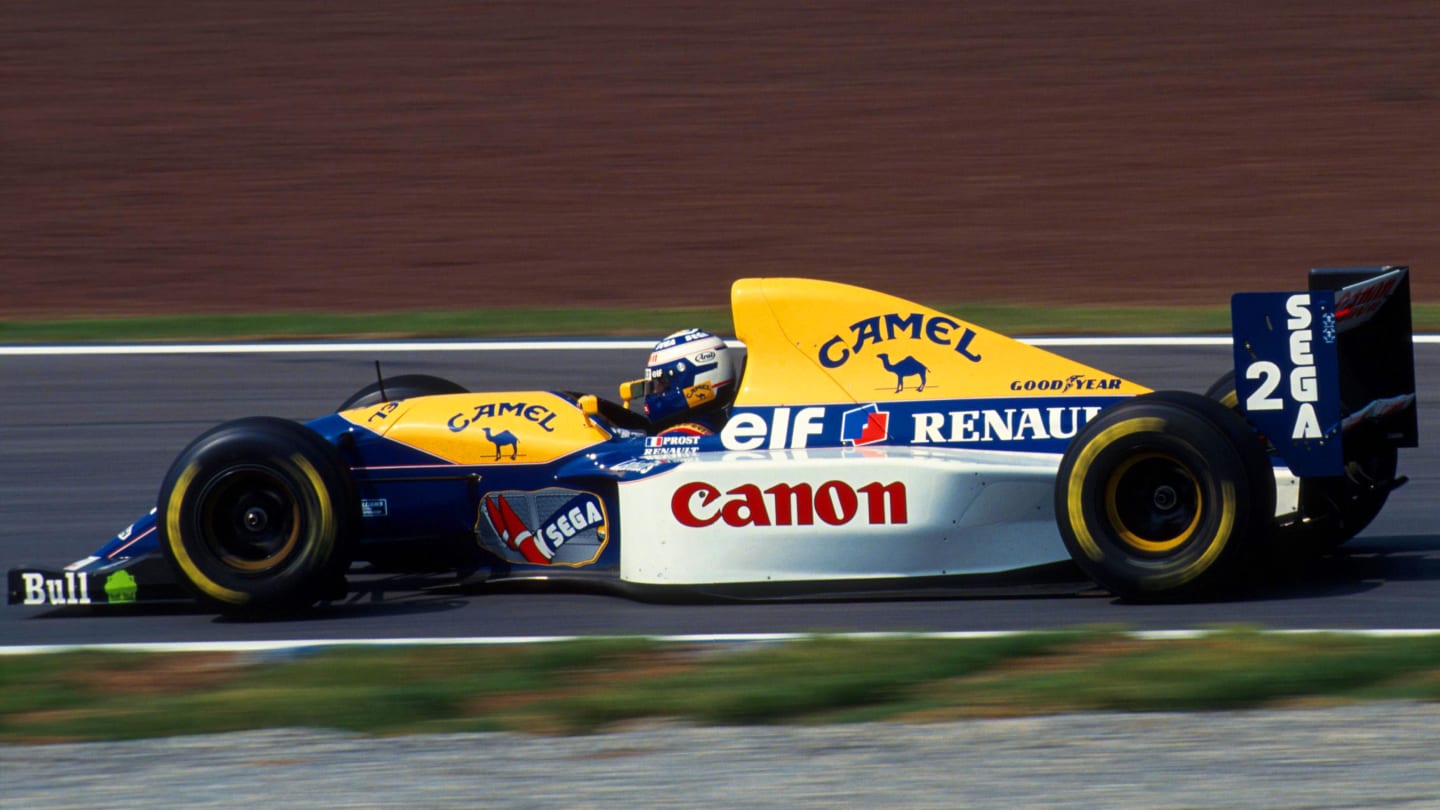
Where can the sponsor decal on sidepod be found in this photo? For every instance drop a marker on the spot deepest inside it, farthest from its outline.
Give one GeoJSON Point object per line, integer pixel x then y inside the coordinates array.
{"type": "Point", "coordinates": [559, 527]}
{"type": "Point", "coordinates": [699, 504]}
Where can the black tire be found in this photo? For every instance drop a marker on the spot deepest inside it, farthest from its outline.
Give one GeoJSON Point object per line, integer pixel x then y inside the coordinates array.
{"type": "Point", "coordinates": [1334, 510]}
{"type": "Point", "coordinates": [400, 387]}
{"type": "Point", "coordinates": [258, 517]}
{"type": "Point", "coordinates": [1165, 497]}
{"type": "Point", "coordinates": [1223, 391]}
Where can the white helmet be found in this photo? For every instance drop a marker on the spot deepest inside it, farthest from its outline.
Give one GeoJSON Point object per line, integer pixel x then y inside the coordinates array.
{"type": "Point", "coordinates": [689, 372]}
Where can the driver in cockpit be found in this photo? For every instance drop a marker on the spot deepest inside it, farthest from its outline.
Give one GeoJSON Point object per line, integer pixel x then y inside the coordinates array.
{"type": "Point", "coordinates": [688, 385]}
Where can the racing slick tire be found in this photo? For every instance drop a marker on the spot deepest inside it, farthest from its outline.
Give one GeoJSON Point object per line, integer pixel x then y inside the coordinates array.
{"type": "Point", "coordinates": [257, 516]}
{"type": "Point", "coordinates": [1224, 392]}
{"type": "Point", "coordinates": [400, 387]}
{"type": "Point", "coordinates": [1336, 509]}
{"type": "Point", "coordinates": [1165, 497]}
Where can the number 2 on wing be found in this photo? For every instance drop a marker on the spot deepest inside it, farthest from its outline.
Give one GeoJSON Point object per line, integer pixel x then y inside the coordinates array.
{"type": "Point", "coordinates": [1269, 375]}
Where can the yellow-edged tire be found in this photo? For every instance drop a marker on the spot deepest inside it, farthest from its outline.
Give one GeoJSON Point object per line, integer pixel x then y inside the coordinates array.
{"type": "Point", "coordinates": [257, 517]}
{"type": "Point", "coordinates": [1165, 496]}
{"type": "Point", "coordinates": [1223, 391]}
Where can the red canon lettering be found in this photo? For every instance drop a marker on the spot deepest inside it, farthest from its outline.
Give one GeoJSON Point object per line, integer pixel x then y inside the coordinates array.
{"type": "Point", "coordinates": [745, 507]}
{"type": "Point", "coordinates": [836, 503]}
{"type": "Point", "coordinates": [887, 503]}
{"type": "Point", "coordinates": [698, 504]}
{"type": "Point", "coordinates": [794, 505]}
{"type": "Point", "coordinates": [680, 503]}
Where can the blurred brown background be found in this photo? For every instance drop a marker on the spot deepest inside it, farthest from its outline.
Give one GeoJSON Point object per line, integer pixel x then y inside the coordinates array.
{"type": "Point", "coordinates": [160, 156]}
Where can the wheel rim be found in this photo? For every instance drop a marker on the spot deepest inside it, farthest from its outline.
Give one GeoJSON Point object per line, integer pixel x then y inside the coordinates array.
{"type": "Point", "coordinates": [1154, 503]}
{"type": "Point", "coordinates": [249, 518]}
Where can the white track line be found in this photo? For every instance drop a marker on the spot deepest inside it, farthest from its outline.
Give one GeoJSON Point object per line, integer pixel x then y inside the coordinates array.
{"type": "Point", "coordinates": [390, 347]}
{"type": "Point", "coordinates": [718, 638]}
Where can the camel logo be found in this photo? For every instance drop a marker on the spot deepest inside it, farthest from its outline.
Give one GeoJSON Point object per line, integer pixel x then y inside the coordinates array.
{"type": "Point", "coordinates": [539, 414]}
{"type": "Point", "coordinates": [908, 367]}
{"type": "Point", "coordinates": [917, 326]}
{"type": "Point", "coordinates": [548, 527]}
{"type": "Point", "coordinates": [502, 440]}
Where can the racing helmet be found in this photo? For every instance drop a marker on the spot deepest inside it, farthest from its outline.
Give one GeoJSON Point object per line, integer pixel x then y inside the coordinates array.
{"type": "Point", "coordinates": [689, 372]}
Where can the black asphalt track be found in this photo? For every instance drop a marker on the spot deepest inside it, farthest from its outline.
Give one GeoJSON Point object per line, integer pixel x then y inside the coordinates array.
{"type": "Point", "coordinates": [84, 442]}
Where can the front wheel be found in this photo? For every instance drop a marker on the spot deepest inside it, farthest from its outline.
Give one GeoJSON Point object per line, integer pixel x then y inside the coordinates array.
{"type": "Point", "coordinates": [1164, 496]}
{"type": "Point", "coordinates": [402, 386]}
{"type": "Point", "coordinates": [257, 516]}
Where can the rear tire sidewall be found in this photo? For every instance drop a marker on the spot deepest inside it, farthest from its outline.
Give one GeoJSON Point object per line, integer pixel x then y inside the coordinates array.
{"type": "Point", "coordinates": [1224, 391]}
{"type": "Point", "coordinates": [402, 386]}
{"type": "Point", "coordinates": [1349, 507]}
{"type": "Point", "coordinates": [257, 516]}
{"type": "Point", "coordinates": [1340, 507]}
{"type": "Point", "coordinates": [1141, 449]}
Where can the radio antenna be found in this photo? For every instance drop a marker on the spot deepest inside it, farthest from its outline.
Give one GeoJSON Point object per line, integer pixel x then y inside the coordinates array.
{"type": "Point", "coordinates": [380, 378]}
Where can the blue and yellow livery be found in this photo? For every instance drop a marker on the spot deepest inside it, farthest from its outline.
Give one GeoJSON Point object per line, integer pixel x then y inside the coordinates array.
{"type": "Point", "coordinates": [873, 445]}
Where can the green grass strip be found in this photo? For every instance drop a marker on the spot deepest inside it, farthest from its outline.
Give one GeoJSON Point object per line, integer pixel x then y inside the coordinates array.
{"type": "Point", "coordinates": [1011, 319]}
{"type": "Point", "coordinates": [1005, 318]}
{"type": "Point", "coordinates": [599, 684]}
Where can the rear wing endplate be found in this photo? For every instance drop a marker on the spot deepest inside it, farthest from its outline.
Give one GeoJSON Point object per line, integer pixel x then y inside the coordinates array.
{"type": "Point", "coordinates": [1316, 369]}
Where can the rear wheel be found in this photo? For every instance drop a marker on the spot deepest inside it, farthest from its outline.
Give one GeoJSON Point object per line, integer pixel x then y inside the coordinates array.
{"type": "Point", "coordinates": [1332, 510]}
{"type": "Point", "coordinates": [257, 516]}
{"type": "Point", "coordinates": [1223, 391]}
{"type": "Point", "coordinates": [400, 387]}
{"type": "Point", "coordinates": [1164, 496]}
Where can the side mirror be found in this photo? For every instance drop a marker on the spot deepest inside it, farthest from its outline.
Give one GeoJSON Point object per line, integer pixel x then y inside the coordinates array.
{"type": "Point", "coordinates": [589, 405]}
{"type": "Point", "coordinates": [632, 390]}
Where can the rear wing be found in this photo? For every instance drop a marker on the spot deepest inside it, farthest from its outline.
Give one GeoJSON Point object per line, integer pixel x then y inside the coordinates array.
{"type": "Point", "coordinates": [1317, 369]}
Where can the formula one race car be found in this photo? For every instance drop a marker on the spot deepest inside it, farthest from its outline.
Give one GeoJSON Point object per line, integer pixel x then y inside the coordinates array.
{"type": "Point", "coordinates": [874, 445]}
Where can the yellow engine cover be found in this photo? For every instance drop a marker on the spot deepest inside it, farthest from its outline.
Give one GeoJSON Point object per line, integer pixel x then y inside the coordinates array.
{"type": "Point", "coordinates": [821, 342]}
